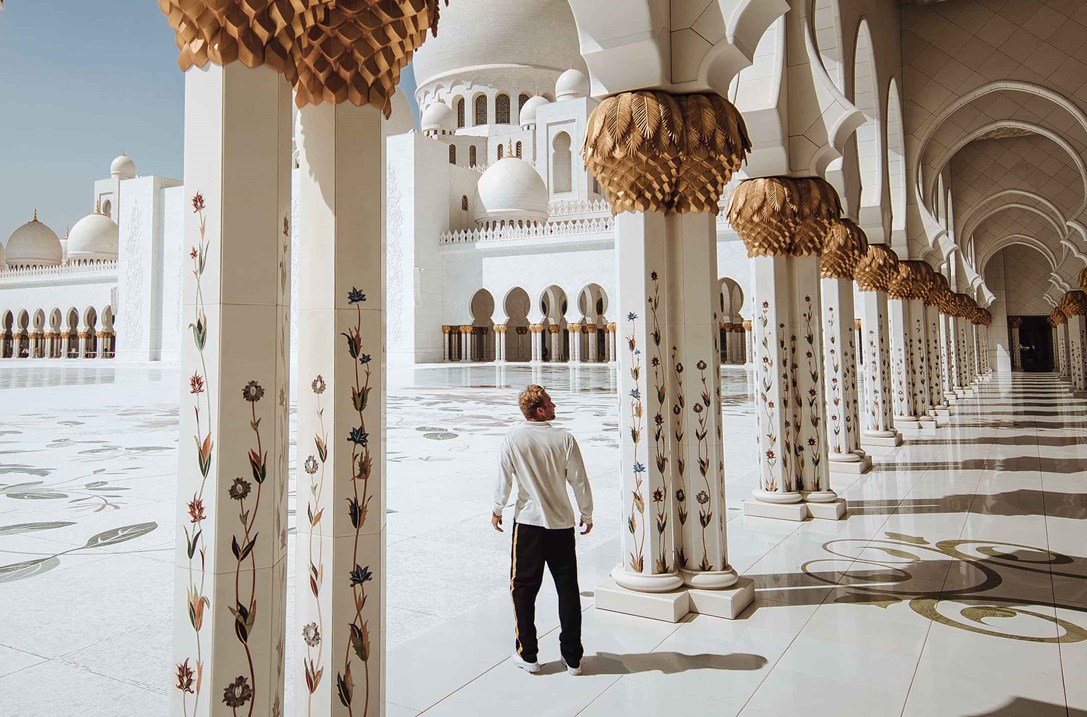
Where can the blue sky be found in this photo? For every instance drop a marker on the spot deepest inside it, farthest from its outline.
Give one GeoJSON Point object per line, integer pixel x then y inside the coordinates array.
{"type": "Point", "coordinates": [80, 80]}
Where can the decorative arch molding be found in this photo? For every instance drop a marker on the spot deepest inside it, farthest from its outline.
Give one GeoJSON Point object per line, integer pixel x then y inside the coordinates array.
{"type": "Point", "coordinates": [977, 93]}
{"type": "Point", "coordinates": [839, 115]}
{"type": "Point", "coordinates": [896, 162]}
{"type": "Point", "coordinates": [833, 50]}
{"type": "Point", "coordinates": [1057, 218]}
{"type": "Point", "coordinates": [1049, 134]}
{"type": "Point", "coordinates": [995, 247]}
{"type": "Point", "coordinates": [1057, 227]}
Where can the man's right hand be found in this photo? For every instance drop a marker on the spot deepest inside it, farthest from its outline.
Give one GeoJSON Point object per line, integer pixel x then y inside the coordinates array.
{"type": "Point", "coordinates": [496, 521]}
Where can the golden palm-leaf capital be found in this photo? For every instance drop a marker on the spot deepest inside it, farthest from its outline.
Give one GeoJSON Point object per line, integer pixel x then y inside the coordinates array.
{"type": "Point", "coordinates": [1083, 278]}
{"type": "Point", "coordinates": [1075, 303]}
{"type": "Point", "coordinates": [818, 207]}
{"type": "Point", "coordinates": [763, 212]}
{"type": "Point", "coordinates": [843, 247]}
{"type": "Point", "coordinates": [357, 50]}
{"type": "Point", "coordinates": [876, 269]}
{"type": "Point", "coordinates": [254, 32]}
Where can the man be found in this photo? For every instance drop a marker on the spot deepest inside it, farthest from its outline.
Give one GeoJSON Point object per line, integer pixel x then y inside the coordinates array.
{"type": "Point", "coordinates": [543, 460]}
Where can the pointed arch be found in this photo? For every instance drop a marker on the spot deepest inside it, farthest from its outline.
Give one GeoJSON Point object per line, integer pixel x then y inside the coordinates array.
{"type": "Point", "coordinates": [866, 99]}
{"type": "Point", "coordinates": [896, 166]}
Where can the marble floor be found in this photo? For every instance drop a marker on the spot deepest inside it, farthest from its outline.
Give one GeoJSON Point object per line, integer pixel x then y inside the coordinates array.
{"type": "Point", "coordinates": [957, 584]}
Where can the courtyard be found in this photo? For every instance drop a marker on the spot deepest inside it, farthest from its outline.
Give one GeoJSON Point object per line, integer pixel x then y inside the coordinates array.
{"type": "Point", "coordinates": [956, 585]}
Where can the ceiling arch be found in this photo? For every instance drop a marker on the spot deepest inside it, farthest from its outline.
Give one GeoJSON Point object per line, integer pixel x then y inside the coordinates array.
{"type": "Point", "coordinates": [1004, 242]}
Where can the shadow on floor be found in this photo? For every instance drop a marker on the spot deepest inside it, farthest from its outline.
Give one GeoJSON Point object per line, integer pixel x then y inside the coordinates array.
{"type": "Point", "coordinates": [1021, 502]}
{"type": "Point", "coordinates": [1056, 441]}
{"type": "Point", "coordinates": [1024, 707]}
{"type": "Point", "coordinates": [1009, 464]}
{"type": "Point", "coordinates": [669, 663]}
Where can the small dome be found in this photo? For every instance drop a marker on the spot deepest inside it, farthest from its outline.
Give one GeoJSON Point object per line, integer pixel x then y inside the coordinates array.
{"type": "Point", "coordinates": [510, 190]}
{"type": "Point", "coordinates": [571, 85]}
{"type": "Point", "coordinates": [528, 112]}
{"type": "Point", "coordinates": [33, 244]}
{"type": "Point", "coordinates": [123, 166]}
{"type": "Point", "coordinates": [94, 237]}
{"type": "Point", "coordinates": [438, 117]}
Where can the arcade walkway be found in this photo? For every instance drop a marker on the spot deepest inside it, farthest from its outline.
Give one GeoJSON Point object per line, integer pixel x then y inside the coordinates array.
{"type": "Point", "coordinates": [956, 586]}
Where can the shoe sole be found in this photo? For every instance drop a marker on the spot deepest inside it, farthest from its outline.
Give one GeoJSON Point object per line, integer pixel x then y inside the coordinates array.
{"type": "Point", "coordinates": [575, 671]}
{"type": "Point", "coordinates": [530, 668]}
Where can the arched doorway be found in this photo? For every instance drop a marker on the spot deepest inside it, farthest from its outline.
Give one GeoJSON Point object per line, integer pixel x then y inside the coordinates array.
{"type": "Point", "coordinates": [107, 345]}
{"type": "Point", "coordinates": [592, 302]}
{"type": "Point", "coordinates": [482, 309]}
{"type": "Point", "coordinates": [90, 328]}
{"type": "Point", "coordinates": [55, 343]}
{"type": "Point", "coordinates": [732, 341]}
{"type": "Point", "coordinates": [553, 306]}
{"type": "Point", "coordinates": [37, 343]}
{"type": "Point", "coordinates": [518, 342]}
{"type": "Point", "coordinates": [7, 338]}
{"type": "Point", "coordinates": [22, 328]}
{"type": "Point", "coordinates": [71, 348]}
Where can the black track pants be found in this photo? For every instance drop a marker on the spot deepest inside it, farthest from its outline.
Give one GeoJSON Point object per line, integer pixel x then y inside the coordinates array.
{"type": "Point", "coordinates": [534, 546]}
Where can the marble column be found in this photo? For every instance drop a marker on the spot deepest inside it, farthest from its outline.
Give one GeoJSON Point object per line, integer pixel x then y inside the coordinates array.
{"type": "Point", "coordinates": [613, 342]}
{"type": "Point", "coordinates": [790, 408]}
{"type": "Point", "coordinates": [873, 275]}
{"type": "Point", "coordinates": [846, 243]}
{"type": "Point", "coordinates": [937, 375]}
{"type": "Point", "coordinates": [339, 643]}
{"type": "Point", "coordinates": [591, 343]}
{"type": "Point", "coordinates": [446, 353]}
{"type": "Point", "coordinates": [575, 342]}
{"type": "Point", "coordinates": [84, 344]}
{"type": "Point", "coordinates": [651, 495]}
{"type": "Point", "coordinates": [537, 342]}
{"type": "Point", "coordinates": [103, 344]}
{"type": "Point", "coordinates": [499, 343]}
{"type": "Point", "coordinates": [1074, 306]}
{"type": "Point", "coordinates": [554, 343]}
{"type": "Point", "coordinates": [748, 343]}
{"type": "Point", "coordinates": [230, 588]}
{"type": "Point", "coordinates": [1062, 343]}
{"type": "Point", "coordinates": [1017, 359]}
{"type": "Point", "coordinates": [900, 336]}
{"type": "Point", "coordinates": [923, 371]}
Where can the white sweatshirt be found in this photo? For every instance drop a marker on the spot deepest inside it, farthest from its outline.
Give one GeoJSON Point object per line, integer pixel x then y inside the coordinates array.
{"type": "Point", "coordinates": [542, 459]}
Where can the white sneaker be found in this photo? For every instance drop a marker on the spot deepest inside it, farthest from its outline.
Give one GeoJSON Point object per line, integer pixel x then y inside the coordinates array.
{"type": "Point", "coordinates": [529, 667]}
{"type": "Point", "coordinates": [572, 670]}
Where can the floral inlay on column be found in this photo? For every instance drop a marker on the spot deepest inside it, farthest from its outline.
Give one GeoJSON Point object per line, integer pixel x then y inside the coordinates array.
{"type": "Point", "coordinates": [660, 431]}
{"type": "Point", "coordinates": [357, 508]}
{"type": "Point", "coordinates": [194, 532]}
{"type": "Point", "coordinates": [767, 363]}
{"type": "Point", "coordinates": [814, 399]}
{"type": "Point", "coordinates": [313, 632]}
{"type": "Point", "coordinates": [705, 506]}
{"type": "Point", "coordinates": [680, 463]}
{"type": "Point", "coordinates": [241, 691]}
{"type": "Point", "coordinates": [636, 521]}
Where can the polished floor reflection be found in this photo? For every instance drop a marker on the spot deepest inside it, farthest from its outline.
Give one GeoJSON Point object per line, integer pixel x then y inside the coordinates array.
{"type": "Point", "coordinates": [957, 585]}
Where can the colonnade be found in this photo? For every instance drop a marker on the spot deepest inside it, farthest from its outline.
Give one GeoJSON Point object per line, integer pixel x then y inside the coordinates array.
{"type": "Point", "coordinates": [579, 343]}
{"type": "Point", "coordinates": [56, 344]}
{"type": "Point", "coordinates": [1069, 322]}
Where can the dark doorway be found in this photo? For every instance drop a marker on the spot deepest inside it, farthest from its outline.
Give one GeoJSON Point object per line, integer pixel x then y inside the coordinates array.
{"type": "Point", "coordinates": [1036, 342]}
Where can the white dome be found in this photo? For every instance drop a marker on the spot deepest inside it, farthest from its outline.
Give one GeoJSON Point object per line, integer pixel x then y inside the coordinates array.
{"type": "Point", "coordinates": [510, 189]}
{"type": "Point", "coordinates": [94, 237]}
{"type": "Point", "coordinates": [123, 166]}
{"type": "Point", "coordinates": [33, 244]}
{"type": "Point", "coordinates": [499, 35]}
{"type": "Point", "coordinates": [3, 256]}
{"type": "Point", "coordinates": [528, 112]}
{"type": "Point", "coordinates": [571, 85]}
{"type": "Point", "coordinates": [438, 117]}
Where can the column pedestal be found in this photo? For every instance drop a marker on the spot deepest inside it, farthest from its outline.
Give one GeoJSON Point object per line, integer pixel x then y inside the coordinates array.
{"type": "Point", "coordinates": [840, 366]}
{"type": "Point", "coordinates": [902, 392]}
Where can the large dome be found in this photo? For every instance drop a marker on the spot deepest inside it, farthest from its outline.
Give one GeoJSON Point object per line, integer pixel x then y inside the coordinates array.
{"type": "Point", "coordinates": [510, 190]}
{"type": "Point", "coordinates": [33, 244]}
{"type": "Point", "coordinates": [93, 238]}
{"type": "Point", "coordinates": [499, 34]}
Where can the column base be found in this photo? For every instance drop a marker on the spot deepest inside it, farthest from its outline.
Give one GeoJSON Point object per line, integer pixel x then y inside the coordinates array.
{"type": "Point", "coordinates": [834, 510]}
{"type": "Point", "coordinates": [727, 604]}
{"type": "Point", "coordinates": [645, 583]}
{"type": "Point", "coordinates": [1079, 394]}
{"type": "Point", "coordinates": [943, 411]}
{"type": "Point", "coordinates": [709, 580]}
{"type": "Point", "coordinates": [779, 511]}
{"type": "Point", "coordinates": [858, 467]}
{"type": "Point", "coordinates": [882, 439]}
{"type": "Point", "coordinates": [665, 606]}
{"type": "Point", "coordinates": [906, 422]}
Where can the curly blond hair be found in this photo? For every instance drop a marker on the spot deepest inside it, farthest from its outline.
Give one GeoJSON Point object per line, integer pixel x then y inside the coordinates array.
{"type": "Point", "coordinates": [531, 399]}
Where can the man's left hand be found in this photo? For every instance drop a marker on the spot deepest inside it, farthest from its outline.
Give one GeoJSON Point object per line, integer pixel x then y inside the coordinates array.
{"type": "Point", "coordinates": [588, 527]}
{"type": "Point", "coordinates": [496, 521]}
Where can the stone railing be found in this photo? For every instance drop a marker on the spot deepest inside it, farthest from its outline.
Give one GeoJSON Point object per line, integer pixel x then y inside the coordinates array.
{"type": "Point", "coordinates": [550, 229]}
{"type": "Point", "coordinates": [105, 267]}
{"type": "Point", "coordinates": [578, 207]}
